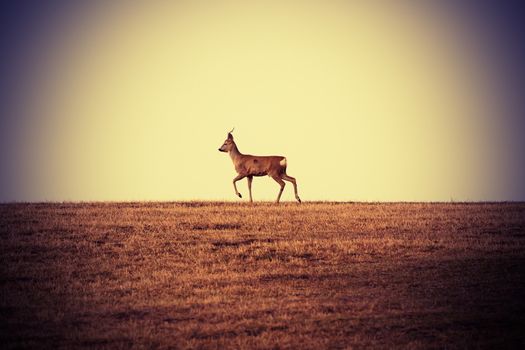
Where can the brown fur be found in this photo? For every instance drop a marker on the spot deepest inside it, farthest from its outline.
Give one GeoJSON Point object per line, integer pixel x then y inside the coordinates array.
{"type": "Point", "coordinates": [249, 166]}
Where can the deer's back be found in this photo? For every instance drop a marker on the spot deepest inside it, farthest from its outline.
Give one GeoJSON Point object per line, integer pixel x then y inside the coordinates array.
{"type": "Point", "coordinates": [261, 165]}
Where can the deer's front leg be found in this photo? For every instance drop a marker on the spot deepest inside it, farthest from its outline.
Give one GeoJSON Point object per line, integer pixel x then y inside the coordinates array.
{"type": "Point", "coordinates": [250, 178]}
{"type": "Point", "coordinates": [237, 178]}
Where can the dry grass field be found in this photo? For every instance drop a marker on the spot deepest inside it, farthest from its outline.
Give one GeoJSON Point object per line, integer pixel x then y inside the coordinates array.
{"type": "Point", "coordinates": [234, 275]}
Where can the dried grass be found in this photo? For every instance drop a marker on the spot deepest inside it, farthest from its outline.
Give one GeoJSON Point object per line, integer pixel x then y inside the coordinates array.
{"type": "Point", "coordinates": [232, 275]}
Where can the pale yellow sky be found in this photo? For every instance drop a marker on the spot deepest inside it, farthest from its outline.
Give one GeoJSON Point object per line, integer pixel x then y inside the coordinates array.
{"type": "Point", "coordinates": [367, 102]}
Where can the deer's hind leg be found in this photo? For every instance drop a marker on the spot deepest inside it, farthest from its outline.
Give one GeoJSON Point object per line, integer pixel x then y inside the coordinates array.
{"type": "Point", "coordinates": [294, 183]}
{"type": "Point", "coordinates": [280, 182]}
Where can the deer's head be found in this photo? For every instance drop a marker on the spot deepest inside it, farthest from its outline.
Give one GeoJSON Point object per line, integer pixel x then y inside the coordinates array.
{"type": "Point", "coordinates": [228, 144]}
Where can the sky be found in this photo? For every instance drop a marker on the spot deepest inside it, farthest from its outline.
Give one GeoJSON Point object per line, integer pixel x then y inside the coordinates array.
{"type": "Point", "coordinates": [368, 100]}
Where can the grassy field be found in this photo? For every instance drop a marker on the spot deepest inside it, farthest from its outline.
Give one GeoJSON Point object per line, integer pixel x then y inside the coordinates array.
{"type": "Point", "coordinates": [232, 275]}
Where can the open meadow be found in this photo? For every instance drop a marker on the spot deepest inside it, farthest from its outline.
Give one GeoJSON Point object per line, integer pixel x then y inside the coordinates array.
{"type": "Point", "coordinates": [234, 275]}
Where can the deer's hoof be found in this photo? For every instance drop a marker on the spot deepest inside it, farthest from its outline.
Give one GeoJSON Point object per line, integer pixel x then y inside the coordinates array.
{"type": "Point", "coordinates": [240, 196]}
{"type": "Point", "coordinates": [299, 199]}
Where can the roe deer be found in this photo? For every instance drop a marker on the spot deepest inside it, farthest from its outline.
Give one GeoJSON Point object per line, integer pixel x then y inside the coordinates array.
{"type": "Point", "coordinates": [249, 166]}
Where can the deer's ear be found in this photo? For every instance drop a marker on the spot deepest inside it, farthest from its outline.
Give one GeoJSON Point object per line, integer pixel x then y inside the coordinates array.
{"type": "Point", "coordinates": [230, 136]}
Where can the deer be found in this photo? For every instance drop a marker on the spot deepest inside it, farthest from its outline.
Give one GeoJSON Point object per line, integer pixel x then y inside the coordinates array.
{"type": "Point", "coordinates": [249, 166]}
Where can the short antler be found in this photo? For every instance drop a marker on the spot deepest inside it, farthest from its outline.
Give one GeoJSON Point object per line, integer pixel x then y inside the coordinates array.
{"type": "Point", "coordinates": [231, 131]}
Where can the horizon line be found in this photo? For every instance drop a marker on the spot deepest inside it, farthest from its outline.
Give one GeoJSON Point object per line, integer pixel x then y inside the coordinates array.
{"type": "Point", "coordinates": [264, 202]}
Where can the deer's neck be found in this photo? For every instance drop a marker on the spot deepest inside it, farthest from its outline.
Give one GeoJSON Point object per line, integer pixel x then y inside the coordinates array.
{"type": "Point", "coordinates": [234, 153]}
